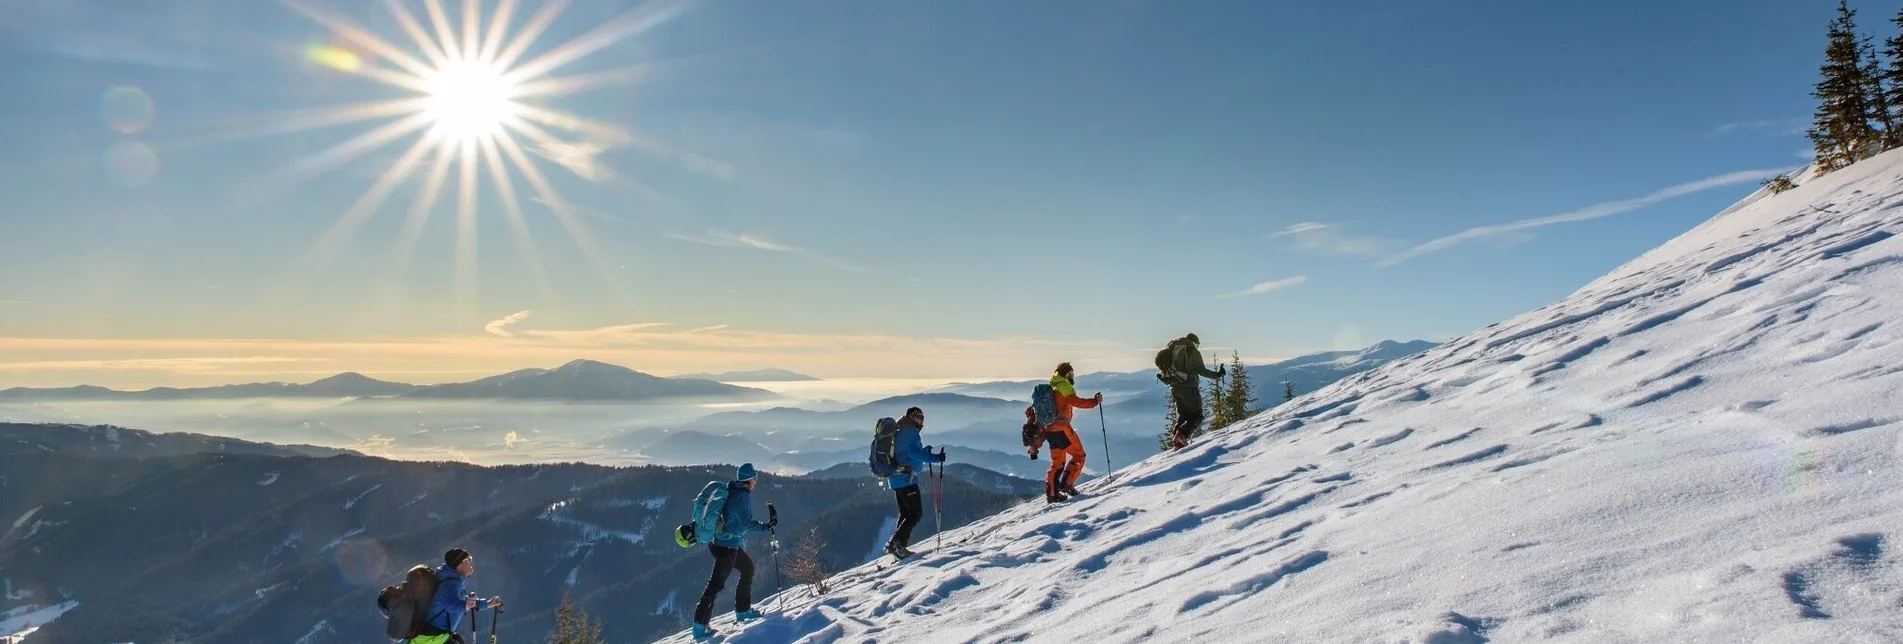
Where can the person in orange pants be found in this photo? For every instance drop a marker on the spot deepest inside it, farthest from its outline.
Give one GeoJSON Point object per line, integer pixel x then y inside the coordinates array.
{"type": "Point", "coordinates": [1067, 452]}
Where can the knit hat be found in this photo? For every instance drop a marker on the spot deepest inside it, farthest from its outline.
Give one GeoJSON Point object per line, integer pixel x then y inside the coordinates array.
{"type": "Point", "coordinates": [455, 557]}
{"type": "Point", "coordinates": [1193, 339]}
{"type": "Point", "coordinates": [746, 472]}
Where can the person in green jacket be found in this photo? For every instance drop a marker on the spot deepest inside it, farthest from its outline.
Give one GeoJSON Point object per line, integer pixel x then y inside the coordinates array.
{"type": "Point", "coordinates": [1178, 366]}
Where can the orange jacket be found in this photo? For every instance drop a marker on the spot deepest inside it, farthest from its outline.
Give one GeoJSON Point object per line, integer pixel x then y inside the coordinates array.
{"type": "Point", "coordinates": [1067, 400]}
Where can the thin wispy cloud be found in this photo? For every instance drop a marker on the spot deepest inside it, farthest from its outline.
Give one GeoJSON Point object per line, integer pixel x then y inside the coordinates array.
{"type": "Point", "coordinates": [1268, 287]}
{"type": "Point", "coordinates": [1595, 211]}
{"type": "Point", "coordinates": [579, 157]}
{"type": "Point", "coordinates": [1331, 239]}
{"type": "Point", "coordinates": [1769, 127]}
{"type": "Point", "coordinates": [147, 364]}
{"type": "Point", "coordinates": [500, 328]}
{"type": "Point", "coordinates": [725, 239]}
{"type": "Point", "coordinates": [6, 302]}
{"type": "Point", "coordinates": [653, 347]}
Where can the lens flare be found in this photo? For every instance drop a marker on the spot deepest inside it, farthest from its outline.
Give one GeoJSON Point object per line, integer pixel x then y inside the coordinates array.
{"type": "Point", "coordinates": [475, 90]}
{"type": "Point", "coordinates": [127, 110]}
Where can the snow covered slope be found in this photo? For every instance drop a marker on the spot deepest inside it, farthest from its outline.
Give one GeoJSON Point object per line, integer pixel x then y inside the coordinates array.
{"type": "Point", "coordinates": [1702, 446]}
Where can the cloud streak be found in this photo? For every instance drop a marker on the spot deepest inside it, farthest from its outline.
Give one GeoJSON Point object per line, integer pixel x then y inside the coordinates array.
{"type": "Point", "coordinates": [1330, 239]}
{"type": "Point", "coordinates": [1595, 211]}
{"type": "Point", "coordinates": [724, 239]}
{"type": "Point", "coordinates": [1775, 127]}
{"type": "Point", "coordinates": [1268, 287]}
{"type": "Point", "coordinates": [500, 327]}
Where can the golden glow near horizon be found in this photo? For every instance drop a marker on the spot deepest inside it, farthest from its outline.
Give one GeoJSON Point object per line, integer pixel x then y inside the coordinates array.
{"type": "Point", "coordinates": [474, 109]}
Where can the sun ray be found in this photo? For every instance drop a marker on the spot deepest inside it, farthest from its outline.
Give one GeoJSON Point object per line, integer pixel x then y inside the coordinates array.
{"type": "Point", "coordinates": [512, 211]}
{"type": "Point", "coordinates": [362, 38]}
{"type": "Point", "coordinates": [412, 231]}
{"type": "Point", "coordinates": [445, 37]}
{"type": "Point", "coordinates": [472, 102]}
{"type": "Point", "coordinates": [466, 246]}
{"type": "Point", "coordinates": [472, 28]}
{"type": "Point", "coordinates": [577, 229]}
{"type": "Point", "coordinates": [638, 20]}
{"type": "Point", "coordinates": [359, 212]}
{"type": "Point", "coordinates": [498, 28]}
{"type": "Point", "coordinates": [600, 131]}
{"type": "Point", "coordinates": [538, 23]}
{"type": "Point", "coordinates": [304, 120]}
{"type": "Point", "coordinates": [394, 78]}
{"type": "Point", "coordinates": [571, 84]}
{"type": "Point", "coordinates": [407, 21]}
{"type": "Point", "coordinates": [357, 146]}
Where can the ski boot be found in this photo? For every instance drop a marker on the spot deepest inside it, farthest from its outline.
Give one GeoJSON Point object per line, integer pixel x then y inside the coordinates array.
{"type": "Point", "coordinates": [745, 616]}
{"type": "Point", "coordinates": [897, 551]}
{"type": "Point", "coordinates": [1067, 489]}
{"type": "Point", "coordinates": [1055, 497]}
{"type": "Point", "coordinates": [703, 632]}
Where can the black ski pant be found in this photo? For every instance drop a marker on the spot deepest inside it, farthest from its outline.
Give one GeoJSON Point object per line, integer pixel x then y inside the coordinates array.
{"type": "Point", "coordinates": [1189, 410]}
{"type": "Point", "coordinates": [911, 509]}
{"type": "Point", "coordinates": [726, 560]}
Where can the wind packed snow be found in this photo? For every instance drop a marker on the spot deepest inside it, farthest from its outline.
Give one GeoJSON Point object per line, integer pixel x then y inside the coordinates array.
{"type": "Point", "coordinates": [16, 624]}
{"type": "Point", "coordinates": [1702, 446]}
{"type": "Point", "coordinates": [20, 522]}
{"type": "Point", "coordinates": [353, 501]}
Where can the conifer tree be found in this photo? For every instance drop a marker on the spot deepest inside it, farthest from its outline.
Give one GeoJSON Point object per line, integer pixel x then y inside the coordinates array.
{"type": "Point", "coordinates": [1288, 390]}
{"type": "Point", "coordinates": [1167, 439]}
{"type": "Point", "coordinates": [1238, 400]}
{"type": "Point", "coordinates": [572, 625]}
{"type": "Point", "coordinates": [1879, 99]}
{"type": "Point", "coordinates": [1841, 129]}
{"type": "Point", "coordinates": [1212, 399]}
{"type": "Point", "coordinates": [1892, 81]}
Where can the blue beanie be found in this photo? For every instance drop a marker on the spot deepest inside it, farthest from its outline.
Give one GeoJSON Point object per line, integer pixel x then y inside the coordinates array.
{"type": "Point", "coordinates": [746, 472]}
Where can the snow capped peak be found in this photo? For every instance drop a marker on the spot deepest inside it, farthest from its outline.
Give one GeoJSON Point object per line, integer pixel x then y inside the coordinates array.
{"type": "Point", "coordinates": [1704, 445]}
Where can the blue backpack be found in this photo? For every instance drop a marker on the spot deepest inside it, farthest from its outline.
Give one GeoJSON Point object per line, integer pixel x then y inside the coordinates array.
{"type": "Point", "coordinates": [1044, 405]}
{"type": "Point", "coordinates": [710, 512]}
{"type": "Point", "coordinates": [883, 459]}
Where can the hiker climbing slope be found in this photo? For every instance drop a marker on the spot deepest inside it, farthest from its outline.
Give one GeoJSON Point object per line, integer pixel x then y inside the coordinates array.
{"type": "Point", "coordinates": [1067, 450]}
{"type": "Point", "coordinates": [1178, 365]}
{"type": "Point", "coordinates": [731, 523]}
{"type": "Point", "coordinates": [909, 456]}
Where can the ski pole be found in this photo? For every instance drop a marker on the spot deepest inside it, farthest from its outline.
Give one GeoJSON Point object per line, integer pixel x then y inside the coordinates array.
{"type": "Point", "coordinates": [1104, 426]}
{"type": "Point", "coordinates": [773, 516]}
{"type": "Point", "coordinates": [938, 501]}
{"type": "Point", "coordinates": [494, 615]}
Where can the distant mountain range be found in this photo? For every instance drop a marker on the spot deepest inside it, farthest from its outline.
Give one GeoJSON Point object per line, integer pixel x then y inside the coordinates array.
{"type": "Point", "coordinates": [179, 538]}
{"type": "Point", "coordinates": [577, 381]}
{"type": "Point", "coordinates": [763, 375]}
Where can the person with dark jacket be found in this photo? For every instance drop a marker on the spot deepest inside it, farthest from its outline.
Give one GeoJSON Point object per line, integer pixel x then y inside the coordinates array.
{"type": "Point", "coordinates": [728, 549]}
{"type": "Point", "coordinates": [447, 610]}
{"type": "Point", "coordinates": [912, 455]}
{"type": "Point", "coordinates": [1184, 364]}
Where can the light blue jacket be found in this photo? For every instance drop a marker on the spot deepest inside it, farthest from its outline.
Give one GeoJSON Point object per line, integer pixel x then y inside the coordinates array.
{"type": "Point", "coordinates": [909, 450]}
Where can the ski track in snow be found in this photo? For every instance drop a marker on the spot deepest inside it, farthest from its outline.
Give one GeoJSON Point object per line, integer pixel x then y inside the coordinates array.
{"type": "Point", "coordinates": [1701, 446]}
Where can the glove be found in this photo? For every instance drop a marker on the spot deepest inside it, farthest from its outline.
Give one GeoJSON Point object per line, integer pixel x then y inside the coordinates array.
{"type": "Point", "coordinates": [772, 523]}
{"type": "Point", "coordinates": [1098, 397]}
{"type": "Point", "coordinates": [941, 455]}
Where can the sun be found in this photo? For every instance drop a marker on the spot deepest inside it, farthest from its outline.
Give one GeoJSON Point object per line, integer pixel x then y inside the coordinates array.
{"type": "Point", "coordinates": [469, 100]}
{"type": "Point", "coordinates": [475, 107]}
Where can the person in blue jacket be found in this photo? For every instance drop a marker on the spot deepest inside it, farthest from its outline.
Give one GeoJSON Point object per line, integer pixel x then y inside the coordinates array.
{"type": "Point", "coordinates": [729, 554]}
{"type": "Point", "coordinates": [447, 610]}
{"type": "Point", "coordinates": [910, 453]}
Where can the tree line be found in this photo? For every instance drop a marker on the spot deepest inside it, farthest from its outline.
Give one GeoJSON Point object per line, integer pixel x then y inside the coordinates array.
{"type": "Point", "coordinates": [1859, 96]}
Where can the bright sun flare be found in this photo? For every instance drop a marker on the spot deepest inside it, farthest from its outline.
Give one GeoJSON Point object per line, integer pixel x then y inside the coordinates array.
{"type": "Point", "coordinates": [474, 91]}
{"type": "Point", "coordinates": [469, 100]}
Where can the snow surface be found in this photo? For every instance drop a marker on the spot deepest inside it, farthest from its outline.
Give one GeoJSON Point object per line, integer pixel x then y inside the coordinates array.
{"type": "Point", "coordinates": [269, 478]}
{"type": "Point", "coordinates": [353, 501]}
{"type": "Point", "coordinates": [18, 624]}
{"type": "Point", "coordinates": [1702, 446]}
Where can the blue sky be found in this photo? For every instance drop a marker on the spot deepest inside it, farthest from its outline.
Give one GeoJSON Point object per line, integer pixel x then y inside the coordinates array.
{"type": "Point", "coordinates": [877, 189]}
